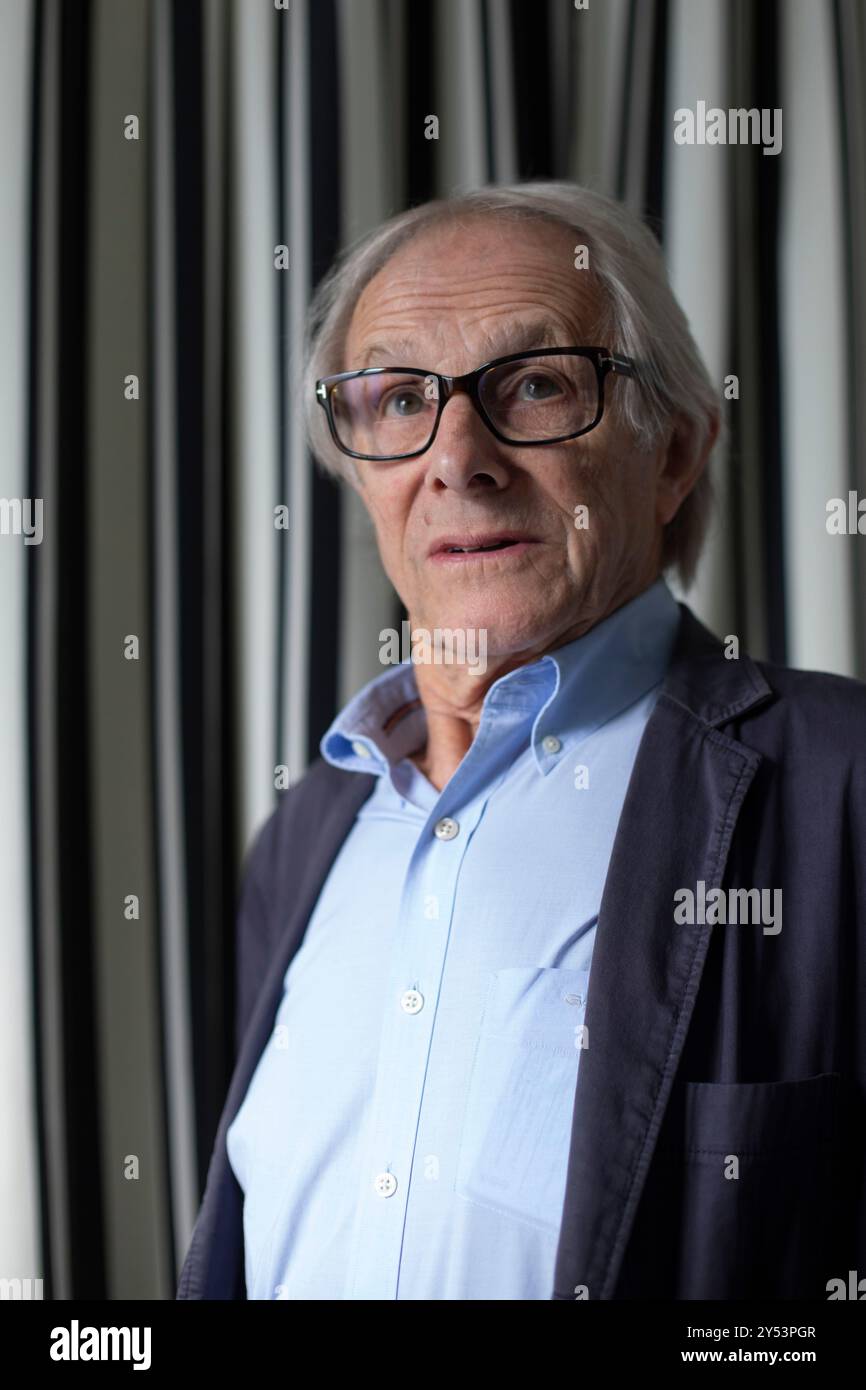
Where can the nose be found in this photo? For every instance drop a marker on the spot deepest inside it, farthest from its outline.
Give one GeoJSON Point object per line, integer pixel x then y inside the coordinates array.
{"type": "Point", "coordinates": [465, 456]}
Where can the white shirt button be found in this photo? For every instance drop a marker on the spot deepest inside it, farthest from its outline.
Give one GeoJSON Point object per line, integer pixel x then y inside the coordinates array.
{"type": "Point", "coordinates": [411, 1001]}
{"type": "Point", "coordinates": [361, 749]}
{"type": "Point", "coordinates": [446, 828]}
{"type": "Point", "coordinates": [551, 744]}
{"type": "Point", "coordinates": [385, 1184]}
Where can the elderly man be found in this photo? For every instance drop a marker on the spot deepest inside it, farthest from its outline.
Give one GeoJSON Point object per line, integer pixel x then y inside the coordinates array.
{"type": "Point", "coordinates": [548, 971]}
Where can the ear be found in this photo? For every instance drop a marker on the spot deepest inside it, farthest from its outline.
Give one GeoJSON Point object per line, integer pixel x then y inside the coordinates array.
{"type": "Point", "coordinates": [681, 460]}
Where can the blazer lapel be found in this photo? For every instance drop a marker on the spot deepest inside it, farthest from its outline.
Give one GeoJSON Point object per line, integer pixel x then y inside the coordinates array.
{"type": "Point", "coordinates": [677, 822]}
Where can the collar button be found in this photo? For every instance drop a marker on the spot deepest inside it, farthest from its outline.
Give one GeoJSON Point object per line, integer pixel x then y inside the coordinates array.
{"type": "Point", "coordinates": [446, 828]}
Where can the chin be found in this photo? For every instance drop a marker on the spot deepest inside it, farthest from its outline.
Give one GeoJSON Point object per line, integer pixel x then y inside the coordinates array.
{"type": "Point", "coordinates": [505, 634]}
{"type": "Point", "coordinates": [498, 607]}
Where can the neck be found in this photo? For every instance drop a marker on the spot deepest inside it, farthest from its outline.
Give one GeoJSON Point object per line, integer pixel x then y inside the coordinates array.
{"type": "Point", "coordinates": [453, 696]}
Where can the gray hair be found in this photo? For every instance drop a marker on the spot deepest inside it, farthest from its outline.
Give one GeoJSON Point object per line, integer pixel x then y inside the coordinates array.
{"type": "Point", "coordinates": [642, 319]}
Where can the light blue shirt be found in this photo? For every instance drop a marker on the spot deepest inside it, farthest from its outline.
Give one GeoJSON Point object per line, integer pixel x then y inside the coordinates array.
{"type": "Point", "coordinates": [406, 1131]}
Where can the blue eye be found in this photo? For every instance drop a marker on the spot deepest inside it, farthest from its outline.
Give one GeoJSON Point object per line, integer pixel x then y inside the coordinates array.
{"type": "Point", "coordinates": [537, 388]}
{"type": "Point", "coordinates": [402, 403]}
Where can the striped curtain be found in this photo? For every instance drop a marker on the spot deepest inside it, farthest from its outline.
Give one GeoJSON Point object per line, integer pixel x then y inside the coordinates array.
{"type": "Point", "coordinates": [167, 648]}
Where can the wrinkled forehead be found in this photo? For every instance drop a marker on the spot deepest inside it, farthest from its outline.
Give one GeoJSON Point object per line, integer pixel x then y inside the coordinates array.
{"type": "Point", "coordinates": [459, 293]}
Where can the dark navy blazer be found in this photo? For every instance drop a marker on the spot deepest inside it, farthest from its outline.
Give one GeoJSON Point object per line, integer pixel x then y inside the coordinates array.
{"type": "Point", "coordinates": [706, 1041]}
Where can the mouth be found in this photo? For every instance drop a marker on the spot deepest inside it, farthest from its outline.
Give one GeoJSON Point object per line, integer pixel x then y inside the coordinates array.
{"type": "Point", "coordinates": [463, 548]}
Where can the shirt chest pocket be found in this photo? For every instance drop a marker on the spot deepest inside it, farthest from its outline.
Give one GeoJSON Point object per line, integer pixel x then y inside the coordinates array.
{"type": "Point", "coordinates": [516, 1130]}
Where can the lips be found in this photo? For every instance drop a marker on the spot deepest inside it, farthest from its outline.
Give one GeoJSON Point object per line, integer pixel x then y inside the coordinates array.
{"type": "Point", "coordinates": [488, 543]}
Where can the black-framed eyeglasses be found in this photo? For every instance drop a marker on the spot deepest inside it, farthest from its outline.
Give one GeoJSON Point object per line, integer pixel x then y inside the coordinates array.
{"type": "Point", "coordinates": [544, 396]}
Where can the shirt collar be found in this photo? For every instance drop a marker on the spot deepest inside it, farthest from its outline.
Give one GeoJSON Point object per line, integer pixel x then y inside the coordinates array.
{"type": "Point", "coordinates": [568, 693]}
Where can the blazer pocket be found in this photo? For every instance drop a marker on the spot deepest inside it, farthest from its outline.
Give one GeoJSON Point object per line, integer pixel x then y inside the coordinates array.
{"type": "Point", "coordinates": [760, 1117]}
{"type": "Point", "coordinates": [516, 1131]}
{"type": "Point", "coordinates": [748, 1173]}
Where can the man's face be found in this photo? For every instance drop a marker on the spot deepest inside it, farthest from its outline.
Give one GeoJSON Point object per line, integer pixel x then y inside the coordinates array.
{"type": "Point", "coordinates": [450, 299]}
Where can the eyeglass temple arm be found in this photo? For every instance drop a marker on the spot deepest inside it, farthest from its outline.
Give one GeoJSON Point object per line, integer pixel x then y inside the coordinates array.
{"type": "Point", "coordinates": [621, 366]}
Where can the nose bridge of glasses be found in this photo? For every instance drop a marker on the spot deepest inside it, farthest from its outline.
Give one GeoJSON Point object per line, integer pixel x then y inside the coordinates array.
{"type": "Point", "coordinates": [465, 384]}
{"type": "Point", "coordinates": [455, 385]}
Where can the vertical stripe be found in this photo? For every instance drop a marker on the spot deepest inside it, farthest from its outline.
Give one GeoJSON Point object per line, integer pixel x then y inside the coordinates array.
{"type": "Point", "coordinates": [530, 26]}
{"type": "Point", "coordinates": [658, 122]}
{"type": "Point", "coordinates": [372, 133]}
{"type": "Point", "coordinates": [283, 307]}
{"type": "Point", "coordinates": [460, 105]}
{"type": "Point", "coordinates": [564, 37]}
{"type": "Point", "coordinates": [817, 572]}
{"type": "Point", "coordinates": [697, 254]}
{"type": "Point", "coordinates": [601, 90]}
{"type": "Point", "coordinates": [72, 742]}
{"type": "Point", "coordinates": [765, 93]}
{"type": "Point", "coordinates": [325, 497]}
{"type": "Point", "coordinates": [126, 955]}
{"type": "Point", "coordinates": [254, 388]}
{"type": "Point", "coordinates": [634, 150]}
{"type": "Point", "coordinates": [166, 675]}
{"type": "Point", "coordinates": [748, 504]}
{"type": "Point", "coordinates": [45, 868]}
{"type": "Point", "coordinates": [500, 97]}
{"type": "Point", "coordinates": [20, 1234]}
{"type": "Point", "coordinates": [486, 93]}
{"type": "Point", "coordinates": [297, 596]}
{"type": "Point", "coordinates": [850, 64]}
{"type": "Point", "coordinates": [419, 103]}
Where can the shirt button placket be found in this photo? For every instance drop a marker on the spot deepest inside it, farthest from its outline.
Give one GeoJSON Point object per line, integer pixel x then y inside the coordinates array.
{"type": "Point", "coordinates": [400, 1081]}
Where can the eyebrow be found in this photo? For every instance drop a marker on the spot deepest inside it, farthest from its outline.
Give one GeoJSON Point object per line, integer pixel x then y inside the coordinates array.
{"type": "Point", "coordinates": [512, 337]}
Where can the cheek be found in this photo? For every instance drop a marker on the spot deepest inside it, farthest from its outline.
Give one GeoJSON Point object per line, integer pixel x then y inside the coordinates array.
{"type": "Point", "coordinates": [587, 497]}
{"type": "Point", "coordinates": [624, 481]}
{"type": "Point", "coordinates": [384, 506]}
{"type": "Point", "coordinates": [612, 490]}
{"type": "Point", "coordinates": [389, 509]}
